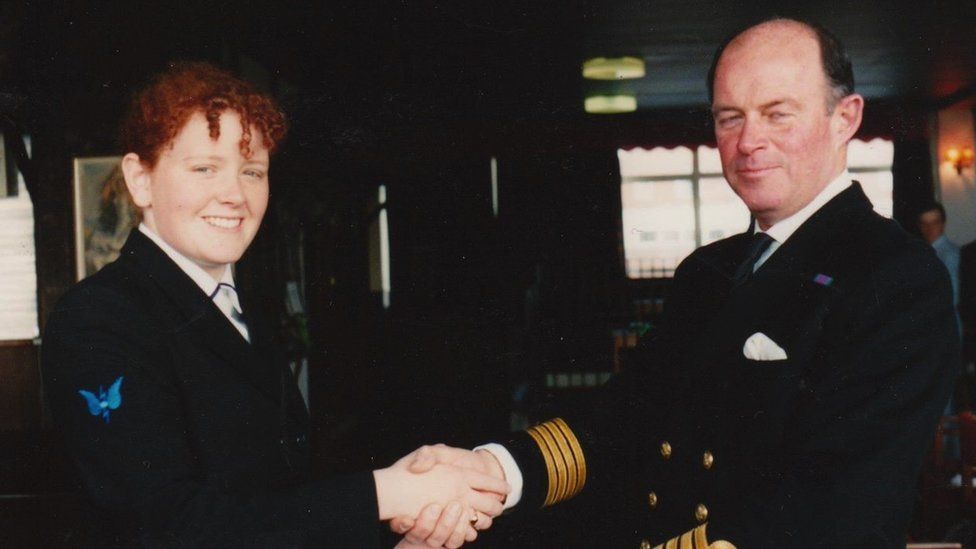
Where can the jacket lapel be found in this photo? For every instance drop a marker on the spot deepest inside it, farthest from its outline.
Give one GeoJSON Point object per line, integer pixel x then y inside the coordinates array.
{"type": "Point", "coordinates": [808, 250]}
{"type": "Point", "coordinates": [201, 321]}
{"type": "Point", "coordinates": [791, 285]}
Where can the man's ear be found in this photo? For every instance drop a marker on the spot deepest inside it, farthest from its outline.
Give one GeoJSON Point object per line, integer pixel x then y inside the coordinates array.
{"type": "Point", "coordinates": [847, 116]}
{"type": "Point", "coordinates": [137, 180]}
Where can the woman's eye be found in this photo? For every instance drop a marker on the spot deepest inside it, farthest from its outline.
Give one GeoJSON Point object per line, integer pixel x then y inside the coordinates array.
{"type": "Point", "coordinates": [254, 173]}
{"type": "Point", "coordinates": [204, 169]}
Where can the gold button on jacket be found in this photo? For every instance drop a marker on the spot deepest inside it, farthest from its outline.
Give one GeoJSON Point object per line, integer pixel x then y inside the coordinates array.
{"type": "Point", "coordinates": [666, 449]}
{"type": "Point", "coordinates": [701, 513]}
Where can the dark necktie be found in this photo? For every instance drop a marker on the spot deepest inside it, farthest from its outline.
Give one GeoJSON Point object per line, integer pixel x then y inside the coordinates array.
{"type": "Point", "coordinates": [758, 244]}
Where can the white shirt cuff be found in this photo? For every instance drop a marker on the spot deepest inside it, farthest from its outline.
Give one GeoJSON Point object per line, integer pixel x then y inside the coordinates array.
{"type": "Point", "coordinates": [513, 475]}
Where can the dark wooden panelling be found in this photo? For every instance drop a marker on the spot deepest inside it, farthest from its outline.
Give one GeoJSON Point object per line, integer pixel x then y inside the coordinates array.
{"type": "Point", "coordinates": [20, 390]}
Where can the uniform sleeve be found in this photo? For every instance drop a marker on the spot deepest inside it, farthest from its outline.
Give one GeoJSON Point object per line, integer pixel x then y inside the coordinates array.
{"type": "Point", "coordinates": [588, 447]}
{"type": "Point", "coordinates": [597, 442]}
{"type": "Point", "coordinates": [128, 439]}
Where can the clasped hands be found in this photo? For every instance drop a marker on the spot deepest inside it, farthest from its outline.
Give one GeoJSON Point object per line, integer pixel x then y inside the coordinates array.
{"type": "Point", "coordinates": [441, 496]}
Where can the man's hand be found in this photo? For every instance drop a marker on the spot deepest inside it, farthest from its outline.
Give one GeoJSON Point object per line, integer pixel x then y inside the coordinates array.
{"type": "Point", "coordinates": [433, 528]}
{"type": "Point", "coordinates": [402, 492]}
{"type": "Point", "coordinates": [425, 457]}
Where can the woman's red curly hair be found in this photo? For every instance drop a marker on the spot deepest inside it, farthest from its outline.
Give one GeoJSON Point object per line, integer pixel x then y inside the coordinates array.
{"type": "Point", "coordinates": [161, 110]}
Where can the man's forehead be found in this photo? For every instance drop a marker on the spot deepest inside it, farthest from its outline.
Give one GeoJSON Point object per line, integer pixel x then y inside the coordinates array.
{"type": "Point", "coordinates": [773, 41]}
{"type": "Point", "coordinates": [768, 63]}
{"type": "Point", "coordinates": [773, 32]}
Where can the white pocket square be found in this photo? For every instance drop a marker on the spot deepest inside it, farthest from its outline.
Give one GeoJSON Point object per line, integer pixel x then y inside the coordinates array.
{"type": "Point", "coordinates": [760, 347]}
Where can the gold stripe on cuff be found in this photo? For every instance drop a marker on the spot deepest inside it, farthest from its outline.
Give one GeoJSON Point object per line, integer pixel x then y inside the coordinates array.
{"type": "Point", "coordinates": [547, 457]}
{"type": "Point", "coordinates": [563, 456]}
{"type": "Point", "coordinates": [557, 481]}
{"type": "Point", "coordinates": [567, 471]}
{"type": "Point", "coordinates": [578, 457]}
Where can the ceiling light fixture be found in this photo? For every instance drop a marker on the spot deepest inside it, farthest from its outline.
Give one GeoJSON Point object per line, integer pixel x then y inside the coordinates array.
{"type": "Point", "coordinates": [610, 104]}
{"type": "Point", "coordinates": [613, 68]}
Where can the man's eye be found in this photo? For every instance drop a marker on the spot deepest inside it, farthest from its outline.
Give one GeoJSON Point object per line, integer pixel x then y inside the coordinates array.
{"type": "Point", "coordinates": [254, 173]}
{"type": "Point", "coordinates": [778, 116]}
{"type": "Point", "coordinates": [204, 169]}
{"type": "Point", "coordinates": [728, 121]}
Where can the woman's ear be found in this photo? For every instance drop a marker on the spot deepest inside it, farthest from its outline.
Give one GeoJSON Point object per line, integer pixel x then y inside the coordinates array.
{"type": "Point", "coordinates": [137, 180]}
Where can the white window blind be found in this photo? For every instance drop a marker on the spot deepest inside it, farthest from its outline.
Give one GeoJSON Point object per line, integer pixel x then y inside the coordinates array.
{"type": "Point", "coordinates": [18, 273]}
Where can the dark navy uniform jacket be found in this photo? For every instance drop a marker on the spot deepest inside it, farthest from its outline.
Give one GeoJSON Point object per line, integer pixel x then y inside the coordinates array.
{"type": "Point", "coordinates": [697, 443]}
{"type": "Point", "coordinates": [205, 442]}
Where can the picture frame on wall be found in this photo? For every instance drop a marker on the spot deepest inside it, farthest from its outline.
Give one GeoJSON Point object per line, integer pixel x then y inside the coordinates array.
{"type": "Point", "coordinates": [103, 214]}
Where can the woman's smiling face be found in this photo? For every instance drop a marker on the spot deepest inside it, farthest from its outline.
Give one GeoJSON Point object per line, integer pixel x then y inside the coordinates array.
{"type": "Point", "coordinates": [204, 197]}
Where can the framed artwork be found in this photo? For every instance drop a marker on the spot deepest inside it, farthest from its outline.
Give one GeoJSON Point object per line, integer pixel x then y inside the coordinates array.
{"type": "Point", "coordinates": [103, 213]}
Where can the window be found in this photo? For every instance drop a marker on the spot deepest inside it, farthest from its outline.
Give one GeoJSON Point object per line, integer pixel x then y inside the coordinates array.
{"type": "Point", "coordinates": [379, 249]}
{"type": "Point", "coordinates": [870, 165]}
{"type": "Point", "coordinates": [675, 200]}
{"type": "Point", "coordinates": [18, 273]}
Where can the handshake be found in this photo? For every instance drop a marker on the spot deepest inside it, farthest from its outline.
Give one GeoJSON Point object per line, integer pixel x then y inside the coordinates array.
{"type": "Point", "coordinates": [441, 496]}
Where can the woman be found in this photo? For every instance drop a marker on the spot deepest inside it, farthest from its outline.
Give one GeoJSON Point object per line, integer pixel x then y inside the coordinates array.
{"type": "Point", "coordinates": [182, 418]}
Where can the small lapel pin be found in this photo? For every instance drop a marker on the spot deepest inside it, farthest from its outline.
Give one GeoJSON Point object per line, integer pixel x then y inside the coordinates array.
{"type": "Point", "coordinates": [823, 280]}
{"type": "Point", "coordinates": [105, 401]}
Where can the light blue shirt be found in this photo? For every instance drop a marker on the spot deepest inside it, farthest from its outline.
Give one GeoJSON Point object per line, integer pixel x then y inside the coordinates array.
{"type": "Point", "coordinates": [948, 253]}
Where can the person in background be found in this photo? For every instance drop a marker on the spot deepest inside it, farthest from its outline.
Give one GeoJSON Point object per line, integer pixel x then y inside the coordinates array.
{"type": "Point", "coordinates": [931, 224]}
{"type": "Point", "coordinates": [179, 411]}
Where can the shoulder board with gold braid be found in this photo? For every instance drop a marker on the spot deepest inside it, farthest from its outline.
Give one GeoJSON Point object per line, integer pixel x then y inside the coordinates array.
{"type": "Point", "coordinates": [693, 539]}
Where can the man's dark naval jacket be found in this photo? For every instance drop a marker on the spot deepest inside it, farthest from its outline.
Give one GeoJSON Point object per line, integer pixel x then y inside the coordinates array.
{"type": "Point", "coordinates": [209, 445]}
{"type": "Point", "coordinates": [820, 449]}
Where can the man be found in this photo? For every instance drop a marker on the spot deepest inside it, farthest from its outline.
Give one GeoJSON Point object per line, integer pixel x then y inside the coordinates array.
{"type": "Point", "coordinates": [931, 224]}
{"type": "Point", "coordinates": [789, 394]}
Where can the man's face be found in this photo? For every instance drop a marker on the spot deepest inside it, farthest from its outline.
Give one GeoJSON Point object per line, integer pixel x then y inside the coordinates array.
{"type": "Point", "coordinates": [779, 145]}
{"type": "Point", "coordinates": [931, 225]}
{"type": "Point", "coordinates": [205, 199]}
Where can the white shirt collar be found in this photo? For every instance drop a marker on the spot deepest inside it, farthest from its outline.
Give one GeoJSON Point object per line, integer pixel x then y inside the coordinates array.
{"type": "Point", "coordinates": [195, 272]}
{"type": "Point", "coordinates": [785, 228]}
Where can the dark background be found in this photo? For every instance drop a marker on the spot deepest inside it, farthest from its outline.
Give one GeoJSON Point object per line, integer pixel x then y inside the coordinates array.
{"type": "Point", "coordinates": [418, 96]}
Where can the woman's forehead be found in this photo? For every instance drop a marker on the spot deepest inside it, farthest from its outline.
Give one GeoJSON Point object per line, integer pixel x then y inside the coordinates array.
{"type": "Point", "coordinates": [224, 134]}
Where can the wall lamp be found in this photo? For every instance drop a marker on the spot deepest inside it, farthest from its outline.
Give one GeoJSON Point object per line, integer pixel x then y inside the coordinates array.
{"type": "Point", "coordinates": [960, 158]}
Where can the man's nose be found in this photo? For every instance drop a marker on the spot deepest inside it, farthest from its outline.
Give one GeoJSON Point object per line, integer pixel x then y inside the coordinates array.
{"type": "Point", "coordinates": [752, 137]}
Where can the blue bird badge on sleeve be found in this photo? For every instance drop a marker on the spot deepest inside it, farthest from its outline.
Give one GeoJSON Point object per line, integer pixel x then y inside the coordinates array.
{"type": "Point", "coordinates": [105, 401]}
